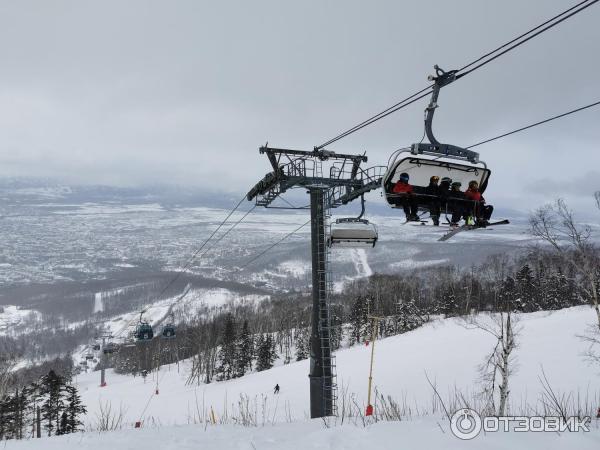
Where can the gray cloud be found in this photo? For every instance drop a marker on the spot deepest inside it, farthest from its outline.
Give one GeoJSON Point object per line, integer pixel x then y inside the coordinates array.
{"type": "Point", "coordinates": [140, 92]}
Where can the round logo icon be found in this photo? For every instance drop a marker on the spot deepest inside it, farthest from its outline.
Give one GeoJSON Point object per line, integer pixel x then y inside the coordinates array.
{"type": "Point", "coordinates": [465, 424]}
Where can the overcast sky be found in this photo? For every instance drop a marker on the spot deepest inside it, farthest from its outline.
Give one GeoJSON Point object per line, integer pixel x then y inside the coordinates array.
{"type": "Point", "coordinates": [184, 92]}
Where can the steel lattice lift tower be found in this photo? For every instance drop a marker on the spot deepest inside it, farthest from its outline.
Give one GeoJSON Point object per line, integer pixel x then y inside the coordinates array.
{"type": "Point", "coordinates": [343, 182]}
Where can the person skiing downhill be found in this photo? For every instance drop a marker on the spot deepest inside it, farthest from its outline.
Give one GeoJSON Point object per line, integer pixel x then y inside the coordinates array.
{"type": "Point", "coordinates": [276, 390]}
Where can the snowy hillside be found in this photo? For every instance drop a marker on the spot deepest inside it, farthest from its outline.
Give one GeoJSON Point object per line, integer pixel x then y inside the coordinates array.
{"type": "Point", "coordinates": [449, 351]}
{"type": "Point", "coordinates": [548, 340]}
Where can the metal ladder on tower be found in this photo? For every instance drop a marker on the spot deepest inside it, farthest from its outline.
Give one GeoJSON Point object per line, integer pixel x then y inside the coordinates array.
{"type": "Point", "coordinates": [328, 358]}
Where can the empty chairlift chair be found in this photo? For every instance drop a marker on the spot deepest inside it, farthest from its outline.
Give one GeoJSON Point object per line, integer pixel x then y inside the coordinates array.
{"type": "Point", "coordinates": [352, 233]}
{"type": "Point", "coordinates": [109, 348]}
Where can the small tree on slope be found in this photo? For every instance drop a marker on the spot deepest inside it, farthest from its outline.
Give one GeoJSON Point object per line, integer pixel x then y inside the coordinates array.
{"type": "Point", "coordinates": [244, 350]}
{"type": "Point", "coordinates": [226, 366]}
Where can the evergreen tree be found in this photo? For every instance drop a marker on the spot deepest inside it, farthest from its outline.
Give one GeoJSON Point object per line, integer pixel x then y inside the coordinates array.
{"type": "Point", "coordinates": [507, 297]}
{"type": "Point", "coordinates": [302, 344]}
{"type": "Point", "coordinates": [266, 354]}
{"type": "Point", "coordinates": [244, 350]}
{"type": "Point", "coordinates": [526, 289]}
{"type": "Point", "coordinates": [359, 323]}
{"type": "Point", "coordinates": [226, 366]}
{"type": "Point", "coordinates": [64, 424]}
{"type": "Point", "coordinates": [75, 409]}
{"type": "Point", "coordinates": [52, 388]}
{"type": "Point", "coordinates": [448, 305]}
{"type": "Point", "coordinates": [407, 317]}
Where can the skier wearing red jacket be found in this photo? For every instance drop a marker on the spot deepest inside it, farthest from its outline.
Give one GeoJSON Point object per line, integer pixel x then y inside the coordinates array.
{"type": "Point", "coordinates": [482, 211]}
{"type": "Point", "coordinates": [405, 192]}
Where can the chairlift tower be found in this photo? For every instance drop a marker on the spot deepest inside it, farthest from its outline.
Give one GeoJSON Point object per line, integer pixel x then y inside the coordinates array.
{"type": "Point", "coordinates": [342, 182]}
{"type": "Point", "coordinates": [104, 337]}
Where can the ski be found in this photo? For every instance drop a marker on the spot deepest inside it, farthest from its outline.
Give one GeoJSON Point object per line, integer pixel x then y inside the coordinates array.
{"type": "Point", "coordinates": [470, 227]}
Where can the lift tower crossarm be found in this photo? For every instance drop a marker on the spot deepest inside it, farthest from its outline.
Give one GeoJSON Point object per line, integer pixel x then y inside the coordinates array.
{"type": "Point", "coordinates": [321, 154]}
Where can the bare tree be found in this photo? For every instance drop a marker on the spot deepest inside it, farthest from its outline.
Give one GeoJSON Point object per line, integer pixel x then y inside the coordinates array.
{"type": "Point", "coordinates": [499, 364]}
{"type": "Point", "coordinates": [556, 225]}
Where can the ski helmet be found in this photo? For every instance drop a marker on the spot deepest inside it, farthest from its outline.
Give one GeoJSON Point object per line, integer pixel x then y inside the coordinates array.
{"type": "Point", "coordinates": [473, 184]}
{"type": "Point", "coordinates": [404, 177]}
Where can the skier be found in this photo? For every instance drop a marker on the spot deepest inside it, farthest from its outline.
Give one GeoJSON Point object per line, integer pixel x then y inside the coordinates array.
{"type": "Point", "coordinates": [433, 190]}
{"type": "Point", "coordinates": [276, 390]}
{"type": "Point", "coordinates": [455, 202]}
{"type": "Point", "coordinates": [481, 211]}
{"type": "Point", "coordinates": [406, 200]}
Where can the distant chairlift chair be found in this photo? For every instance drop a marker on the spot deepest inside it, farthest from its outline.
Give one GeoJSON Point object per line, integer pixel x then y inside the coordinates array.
{"type": "Point", "coordinates": [109, 348]}
{"type": "Point", "coordinates": [353, 232]}
{"type": "Point", "coordinates": [168, 331]}
{"type": "Point", "coordinates": [143, 331]}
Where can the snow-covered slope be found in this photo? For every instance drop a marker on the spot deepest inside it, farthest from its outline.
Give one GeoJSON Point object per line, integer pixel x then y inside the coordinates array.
{"type": "Point", "coordinates": [449, 351]}
{"type": "Point", "coordinates": [420, 433]}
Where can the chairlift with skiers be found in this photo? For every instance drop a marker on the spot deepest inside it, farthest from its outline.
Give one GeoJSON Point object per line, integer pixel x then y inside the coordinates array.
{"type": "Point", "coordinates": [425, 164]}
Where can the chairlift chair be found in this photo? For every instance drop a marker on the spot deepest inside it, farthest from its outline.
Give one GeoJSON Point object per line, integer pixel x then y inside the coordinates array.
{"type": "Point", "coordinates": [353, 232]}
{"type": "Point", "coordinates": [109, 348]}
{"type": "Point", "coordinates": [168, 330]}
{"type": "Point", "coordinates": [424, 160]}
{"type": "Point", "coordinates": [143, 331]}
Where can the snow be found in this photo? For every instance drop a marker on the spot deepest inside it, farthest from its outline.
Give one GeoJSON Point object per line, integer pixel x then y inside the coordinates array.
{"type": "Point", "coordinates": [295, 268]}
{"type": "Point", "coordinates": [449, 351]}
{"type": "Point", "coordinates": [413, 264]}
{"type": "Point", "coordinates": [98, 303]}
{"type": "Point", "coordinates": [361, 263]}
{"type": "Point", "coordinates": [195, 301]}
{"type": "Point", "coordinates": [13, 316]}
{"type": "Point", "coordinates": [426, 433]}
